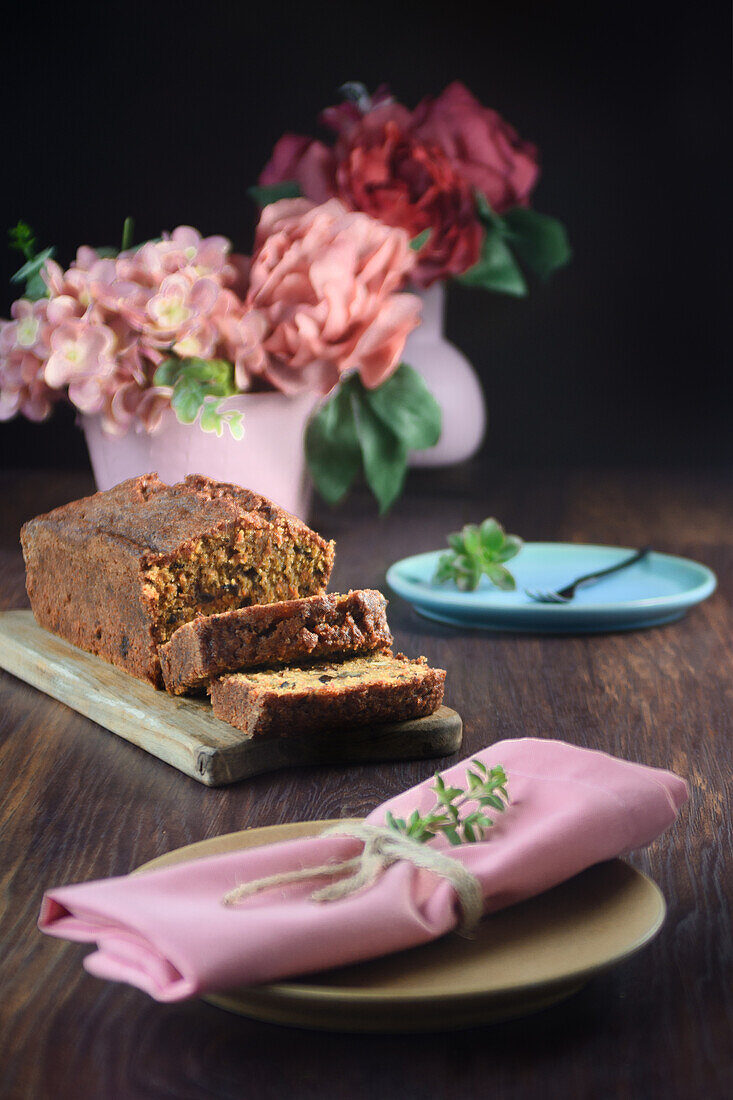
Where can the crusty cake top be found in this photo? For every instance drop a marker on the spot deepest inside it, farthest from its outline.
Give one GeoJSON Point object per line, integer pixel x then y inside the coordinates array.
{"type": "Point", "coordinates": [158, 518]}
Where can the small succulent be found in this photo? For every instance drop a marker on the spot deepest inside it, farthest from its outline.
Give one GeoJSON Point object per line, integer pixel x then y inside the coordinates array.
{"type": "Point", "coordinates": [477, 551]}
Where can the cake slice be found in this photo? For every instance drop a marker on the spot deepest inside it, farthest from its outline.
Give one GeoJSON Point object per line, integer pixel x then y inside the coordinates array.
{"type": "Point", "coordinates": [313, 628]}
{"type": "Point", "coordinates": [288, 702]}
{"type": "Point", "coordinates": [118, 572]}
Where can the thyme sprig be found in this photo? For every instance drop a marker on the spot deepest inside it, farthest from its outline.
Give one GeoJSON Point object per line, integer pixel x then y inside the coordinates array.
{"type": "Point", "coordinates": [485, 786]}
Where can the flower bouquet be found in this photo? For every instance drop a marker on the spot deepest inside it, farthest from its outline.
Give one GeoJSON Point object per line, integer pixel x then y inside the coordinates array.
{"type": "Point", "coordinates": [176, 328]}
{"type": "Point", "coordinates": [459, 180]}
{"type": "Point", "coordinates": [182, 332]}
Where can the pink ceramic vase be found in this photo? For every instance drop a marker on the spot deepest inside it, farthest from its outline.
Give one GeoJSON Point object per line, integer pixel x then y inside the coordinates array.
{"type": "Point", "coordinates": [452, 381]}
{"type": "Point", "coordinates": [270, 459]}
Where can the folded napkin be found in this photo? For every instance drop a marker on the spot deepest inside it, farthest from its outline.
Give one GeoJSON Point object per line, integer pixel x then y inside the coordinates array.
{"type": "Point", "coordinates": [169, 932]}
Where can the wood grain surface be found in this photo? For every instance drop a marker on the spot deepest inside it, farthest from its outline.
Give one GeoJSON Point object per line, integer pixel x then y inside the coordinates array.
{"type": "Point", "coordinates": [79, 804]}
{"type": "Point", "coordinates": [184, 732]}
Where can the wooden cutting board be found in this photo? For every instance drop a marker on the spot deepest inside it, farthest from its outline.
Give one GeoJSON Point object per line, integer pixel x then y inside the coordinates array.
{"type": "Point", "coordinates": [183, 731]}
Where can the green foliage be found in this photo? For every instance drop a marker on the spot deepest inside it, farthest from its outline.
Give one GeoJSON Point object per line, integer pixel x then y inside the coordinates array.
{"type": "Point", "coordinates": [373, 431]}
{"type": "Point", "coordinates": [478, 550]}
{"type": "Point", "coordinates": [273, 192]}
{"type": "Point", "coordinates": [539, 241]}
{"type": "Point", "coordinates": [199, 386]}
{"type": "Point", "coordinates": [422, 238]}
{"type": "Point", "coordinates": [128, 230]}
{"type": "Point", "coordinates": [496, 268]}
{"type": "Point", "coordinates": [332, 446]}
{"type": "Point", "coordinates": [405, 404]}
{"type": "Point", "coordinates": [383, 453]}
{"type": "Point", "coordinates": [486, 788]}
{"type": "Point", "coordinates": [23, 240]}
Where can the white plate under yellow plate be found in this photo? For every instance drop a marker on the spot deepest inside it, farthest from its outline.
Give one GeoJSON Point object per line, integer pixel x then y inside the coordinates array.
{"type": "Point", "coordinates": [521, 960]}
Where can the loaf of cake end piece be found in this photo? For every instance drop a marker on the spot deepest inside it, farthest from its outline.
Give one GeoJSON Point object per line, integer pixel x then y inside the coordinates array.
{"type": "Point", "coordinates": [289, 702]}
{"type": "Point", "coordinates": [314, 628]}
{"type": "Point", "coordinates": [116, 573]}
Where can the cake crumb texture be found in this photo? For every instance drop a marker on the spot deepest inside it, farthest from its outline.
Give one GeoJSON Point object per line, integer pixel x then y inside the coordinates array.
{"type": "Point", "coordinates": [313, 628]}
{"type": "Point", "coordinates": [291, 701]}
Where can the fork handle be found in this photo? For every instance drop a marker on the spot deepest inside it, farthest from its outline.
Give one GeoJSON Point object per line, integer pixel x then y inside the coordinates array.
{"type": "Point", "coordinates": [569, 590]}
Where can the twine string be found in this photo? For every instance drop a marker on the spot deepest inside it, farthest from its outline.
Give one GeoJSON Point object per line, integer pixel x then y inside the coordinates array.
{"type": "Point", "coordinates": [382, 848]}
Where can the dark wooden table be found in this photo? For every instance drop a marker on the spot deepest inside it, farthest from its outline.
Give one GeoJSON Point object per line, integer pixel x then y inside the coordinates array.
{"type": "Point", "coordinates": [80, 803]}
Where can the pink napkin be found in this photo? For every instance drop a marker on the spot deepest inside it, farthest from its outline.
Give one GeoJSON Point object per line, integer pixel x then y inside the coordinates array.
{"type": "Point", "coordinates": [168, 932]}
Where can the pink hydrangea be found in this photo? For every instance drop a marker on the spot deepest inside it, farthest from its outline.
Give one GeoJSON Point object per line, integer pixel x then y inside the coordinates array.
{"type": "Point", "coordinates": [318, 298]}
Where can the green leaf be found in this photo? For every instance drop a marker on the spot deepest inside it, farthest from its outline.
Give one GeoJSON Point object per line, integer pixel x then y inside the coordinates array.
{"type": "Point", "coordinates": [332, 448]}
{"type": "Point", "coordinates": [187, 399]}
{"type": "Point", "coordinates": [35, 288]}
{"type": "Point", "coordinates": [496, 268]}
{"type": "Point", "coordinates": [422, 238]}
{"type": "Point", "coordinates": [167, 372]}
{"type": "Point", "coordinates": [501, 577]}
{"type": "Point", "coordinates": [217, 374]}
{"type": "Point", "coordinates": [235, 422]}
{"type": "Point", "coordinates": [486, 214]}
{"type": "Point", "coordinates": [512, 545]}
{"type": "Point", "coordinates": [492, 535]}
{"type": "Point", "coordinates": [22, 239]}
{"type": "Point", "coordinates": [471, 540]}
{"type": "Point", "coordinates": [444, 570]}
{"type": "Point", "coordinates": [211, 419]}
{"type": "Point", "coordinates": [32, 267]}
{"type": "Point", "coordinates": [128, 232]}
{"type": "Point", "coordinates": [451, 832]}
{"type": "Point", "coordinates": [493, 800]}
{"type": "Point", "coordinates": [539, 240]}
{"type": "Point", "coordinates": [264, 195]}
{"type": "Point", "coordinates": [383, 454]}
{"type": "Point", "coordinates": [405, 404]}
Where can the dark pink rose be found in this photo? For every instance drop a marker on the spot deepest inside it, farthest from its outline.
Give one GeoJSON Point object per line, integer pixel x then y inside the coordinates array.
{"type": "Point", "coordinates": [382, 169]}
{"type": "Point", "coordinates": [482, 148]}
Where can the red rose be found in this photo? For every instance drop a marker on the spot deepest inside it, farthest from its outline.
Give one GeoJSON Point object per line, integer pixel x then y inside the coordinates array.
{"type": "Point", "coordinates": [482, 148]}
{"type": "Point", "coordinates": [382, 169]}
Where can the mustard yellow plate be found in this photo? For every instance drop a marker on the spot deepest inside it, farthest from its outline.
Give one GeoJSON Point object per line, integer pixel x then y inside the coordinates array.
{"type": "Point", "coordinates": [522, 959]}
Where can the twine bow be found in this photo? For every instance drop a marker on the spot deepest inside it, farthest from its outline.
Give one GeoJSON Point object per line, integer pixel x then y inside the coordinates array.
{"type": "Point", "coordinates": [382, 848]}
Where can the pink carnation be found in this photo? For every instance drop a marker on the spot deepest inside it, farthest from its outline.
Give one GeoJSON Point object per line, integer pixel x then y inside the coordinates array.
{"type": "Point", "coordinates": [324, 279]}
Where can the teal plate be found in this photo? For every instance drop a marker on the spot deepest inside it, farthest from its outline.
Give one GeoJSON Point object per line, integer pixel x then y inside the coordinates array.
{"type": "Point", "coordinates": [658, 589]}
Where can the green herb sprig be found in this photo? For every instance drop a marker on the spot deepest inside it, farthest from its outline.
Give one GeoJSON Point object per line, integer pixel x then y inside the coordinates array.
{"type": "Point", "coordinates": [23, 240]}
{"type": "Point", "coordinates": [486, 787]}
{"type": "Point", "coordinates": [199, 386]}
{"type": "Point", "coordinates": [477, 551]}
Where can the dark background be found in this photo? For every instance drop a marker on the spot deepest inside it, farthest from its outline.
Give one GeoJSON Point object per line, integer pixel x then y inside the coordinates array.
{"type": "Point", "coordinates": [168, 111]}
